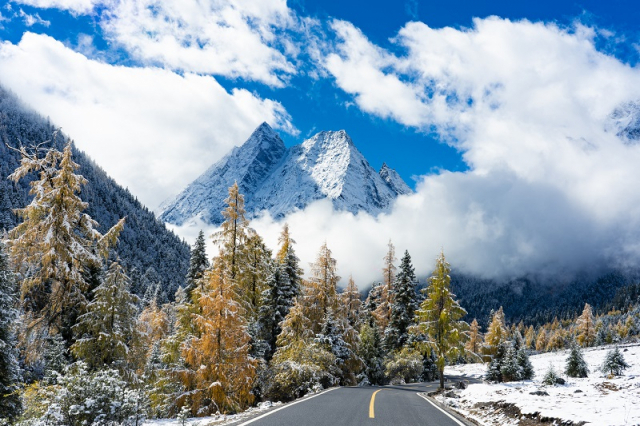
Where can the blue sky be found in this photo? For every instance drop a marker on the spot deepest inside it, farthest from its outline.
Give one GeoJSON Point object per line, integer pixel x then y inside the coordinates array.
{"type": "Point", "coordinates": [506, 117]}
{"type": "Point", "coordinates": [316, 104]}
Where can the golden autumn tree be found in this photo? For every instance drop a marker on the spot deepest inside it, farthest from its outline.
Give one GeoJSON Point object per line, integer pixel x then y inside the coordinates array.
{"type": "Point", "coordinates": [320, 293]}
{"type": "Point", "coordinates": [541, 341]}
{"type": "Point", "coordinates": [350, 302]}
{"type": "Point", "coordinates": [439, 318]}
{"type": "Point", "coordinates": [233, 232]}
{"type": "Point", "coordinates": [474, 344]}
{"type": "Point", "coordinates": [496, 333]}
{"type": "Point", "coordinates": [253, 275]}
{"type": "Point", "coordinates": [55, 244]}
{"type": "Point", "coordinates": [586, 327]}
{"type": "Point", "coordinates": [221, 372]}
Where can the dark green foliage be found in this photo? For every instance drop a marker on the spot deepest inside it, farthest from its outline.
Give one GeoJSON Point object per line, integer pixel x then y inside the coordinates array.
{"type": "Point", "coordinates": [551, 378]}
{"type": "Point", "coordinates": [405, 303]}
{"type": "Point", "coordinates": [371, 352]}
{"type": "Point", "coordinates": [614, 363]}
{"type": "Point", "coordinates": [429, 367]}
{"type": "Point", "coordinates": [198, 264]}
{"type": "Point", "coordinates": [10, 376]}
{"type": "Point", "coordinates": [576, 365]}
{"type": "Point", "coordinates": [144, 242]}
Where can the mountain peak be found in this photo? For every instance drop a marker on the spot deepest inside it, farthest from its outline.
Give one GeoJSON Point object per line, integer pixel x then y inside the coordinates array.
{"type": "Point", "coordinates": [393, 179]}
{"type": "Point", "coordinates": [326, 166]}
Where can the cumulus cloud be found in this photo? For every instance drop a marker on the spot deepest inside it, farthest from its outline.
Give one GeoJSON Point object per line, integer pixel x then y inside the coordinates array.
{"type": "Point", "coordinates": [151, 129]}
{"type": "Point", "coordinates": [527, 104]}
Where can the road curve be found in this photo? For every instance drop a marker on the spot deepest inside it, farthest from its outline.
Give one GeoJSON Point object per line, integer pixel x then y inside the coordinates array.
{"type": "Point", "coordinates": [353, 406]}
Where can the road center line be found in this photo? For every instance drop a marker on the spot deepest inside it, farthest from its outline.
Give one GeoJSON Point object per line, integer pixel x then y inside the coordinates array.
{"type": "Point", "coordinates": [373, 399]}
{"type": "Point", "coordinates": [286, 406]}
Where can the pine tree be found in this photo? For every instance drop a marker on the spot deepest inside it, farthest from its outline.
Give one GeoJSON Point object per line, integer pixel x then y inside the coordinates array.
{"type": "Point", "coordinates": [221, 371]}
{"type": "Point", "coordinates": [494, 369]}
{"type": "Point", "coordinates": [614, 363]}
{"type": "Point", "coordinates": [474, 344]}
{"type": "Point", "coordinates": [107, 331]}
{"type": "Point", "coordinates": [383, 310]}
{"type": "Point", "coordinates": [10, 377]}
{"type": "Point", "coordinates": [334, 338]}
{"type": "Point", "coordinates": [289, 260]}
{"type": "Point", "coordinates": [526, 369]}
{"type": "Point", "coordinates": [55, 244]}
{"type": "Point", "coordinates": [550, 378]}
{"type": "Point", "coordinates": [586, 327]}
{"type": "Point", "coordinates": [575, 364]}
{"type": "Point", "coordinates": [198, 263]}
{"type": "Point", "coordinates": [509, 368]}
{"type": "Point", "coordinates": [496, 333]}
{"type": "Point", "coordinates": [371, 353]}
{"type": "Point", "coordinates": [276, 302]}
{"type": "Point", "coordinates": [440, 317]}
{"type": "Point", "coordinates": [403, 306]}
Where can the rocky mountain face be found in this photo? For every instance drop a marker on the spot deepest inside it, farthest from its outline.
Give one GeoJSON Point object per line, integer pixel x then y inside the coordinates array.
{"type": "Point", "coordinates": [282, 180]}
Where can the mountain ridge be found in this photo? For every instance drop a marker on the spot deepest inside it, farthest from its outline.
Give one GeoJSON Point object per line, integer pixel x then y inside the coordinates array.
{"type": "Point", "coordinates": [281, 180]}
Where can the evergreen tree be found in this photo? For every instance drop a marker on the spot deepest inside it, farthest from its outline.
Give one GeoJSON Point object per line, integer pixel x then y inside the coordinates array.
{"type": "Point", "coordinates": [614, 363]}
{"type": "Point", "coordinates": [526, 369]}
{"type": "Point", "coordinates": [575, 364]}
{"type": "Point", "coordinates": [221, 371]}
{"type": "Point", "coordinates": [550, 377]}
{"type": "Point", "coordinates": [383, 310]}
{"type": "Point", "coordinates": [10, 376]}
{"type": "Point", "coordinates": [509, 367]}
{"type": "Point", "coordinates": [55, 244]}
{"type": "Point", "coordinates": [371, 352]}
{"type": "Point", "coordinates": [254, 274]}
{"type": "Point", "coordinates": [494, 369]}
{"type": "Point", "coordinates": [403, 306]}
{"type": "Point", "coordinates": [107, 331]}
{"type": "Point", "coordinates": [276, 302]}
{"type": "Point", "coordinates": [333, 339]}
{"type": "Point", "coordinates": [56, 359]}
{"type": "Point", "coordinates": [198, 264]}
{"type": "Point", "coordinates": [440, 318]}
{"type": "Point", "coordinates": [289, 260]}
{"type": "Point", "coordinates": [586, 327]}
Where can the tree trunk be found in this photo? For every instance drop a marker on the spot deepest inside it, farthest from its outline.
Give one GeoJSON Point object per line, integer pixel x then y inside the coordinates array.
{"type": "Point", "coordinates": [441, 378]}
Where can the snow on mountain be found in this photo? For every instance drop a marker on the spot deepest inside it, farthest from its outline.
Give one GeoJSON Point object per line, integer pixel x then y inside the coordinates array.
{"type": "Point", "coordinates": [624, 121]}
{"type": "Point", "coordinates": [282, 180]}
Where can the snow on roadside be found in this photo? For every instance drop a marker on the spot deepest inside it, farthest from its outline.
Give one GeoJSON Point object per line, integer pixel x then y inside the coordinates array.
{"type": "Point", "coordinates": [597, 400]}
{"type": "Point", "coordinates": [221, 419]}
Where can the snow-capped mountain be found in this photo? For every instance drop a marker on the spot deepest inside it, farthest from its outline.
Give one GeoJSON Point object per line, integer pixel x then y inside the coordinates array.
{"type": "Point", "coordinates": [282, 180]}
{"type": "Point", "coordinates": [624, 121]}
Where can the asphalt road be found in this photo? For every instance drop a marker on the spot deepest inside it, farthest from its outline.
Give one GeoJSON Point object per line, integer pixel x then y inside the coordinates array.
{"type": "Point", "coordinates": [350, 406]}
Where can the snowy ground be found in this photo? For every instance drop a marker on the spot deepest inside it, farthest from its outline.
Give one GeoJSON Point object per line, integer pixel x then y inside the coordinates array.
{"type": "Point", "coordinates": [215, 420]}
{"type": "Point", "coordinates": [602, 401]}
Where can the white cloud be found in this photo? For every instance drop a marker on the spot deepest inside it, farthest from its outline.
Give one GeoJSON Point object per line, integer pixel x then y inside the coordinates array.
{"type": "Point", "coordinates": [152, 130]}
{"type": "Point", "coordinates": [74, 6]}
{"type": "Point", "coordinates": [31, 20]}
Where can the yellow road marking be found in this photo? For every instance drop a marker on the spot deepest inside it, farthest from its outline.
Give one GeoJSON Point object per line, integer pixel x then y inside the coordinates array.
{"type": "Point", "coordinates": [373, 399]}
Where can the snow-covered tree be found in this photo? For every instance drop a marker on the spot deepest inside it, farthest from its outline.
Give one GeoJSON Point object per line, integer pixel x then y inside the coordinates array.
{"type": "Point", "coordinates": [221, 371]}
{"type": "Point", "coordinates": [371, 352]}
{"type": "Point", "coordinates": [383, 310]}
{"type": "Point", "coordinates": [575, 365]}
{"type": "Point", "coordinates": [107, 331]}
{"type": "Point", "coordinates": [55, 244]}
{"type": "Point", "coordinates": [198, 263]}
{"type": "Point", "coordinates": [550, 377]}
{"type": "Point", "coordinates": [289, 260]}
{"type": "Point", "coordinates": [254, 273]}
{"type": "Point", "coordinates": [9, 369]}
{"type": "Point", "coordinates": [586, 328]}
{"type": "Point", "coordinates": [496, 333]}
{"type": "Point", "coordinates": [614, 363]}
{"type": "Point", "coordinates": [440, 316]}
{"type": "Point", "coordinates": [351, 302]}
{"type": "Point", "coordinates": [509, 368]}
{"type": "Point", "coordinates": [233, 233]}
{"type": "Point", "coordinates": [403, 306]}
{"type": "Point", "coordinates": [320, 292]}
{"type": "Point", "coordinates": [337, 337]}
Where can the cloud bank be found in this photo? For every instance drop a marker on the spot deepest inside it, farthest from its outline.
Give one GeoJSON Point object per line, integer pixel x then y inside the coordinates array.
{"type": "Point", "coordinates": [152, 130]}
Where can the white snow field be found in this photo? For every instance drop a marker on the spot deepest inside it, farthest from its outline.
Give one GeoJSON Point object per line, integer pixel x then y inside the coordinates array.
{"type": "Point", "coordinates": [596, 400]}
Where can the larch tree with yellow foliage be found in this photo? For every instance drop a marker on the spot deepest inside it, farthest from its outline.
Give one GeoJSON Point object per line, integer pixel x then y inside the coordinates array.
{"type": "Point", "coordinates": [496, 333]}
{"type": "Point", "coordinates": [221, 372]}
{"type": "Point", "coordinates": [382, 313]}
{"type": "Point", "coordinates": [351, 302]}
{"type": "Point", "coordinates": [233, 233]}
{"type": "Point", "coordinates": [586, 327]}
{"type": "Point", "coordinates": [55, 245]}
{"type": "Point", "coordinates": [474, 344]}
{"type": "Point", "coordinates": [320, 293]}
{"type": "Point", "coordinates": [439, 318]}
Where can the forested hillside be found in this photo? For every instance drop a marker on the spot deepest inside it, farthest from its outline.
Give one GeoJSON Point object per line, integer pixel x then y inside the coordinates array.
{"type": "Point", "coordinates": [153, 255]}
